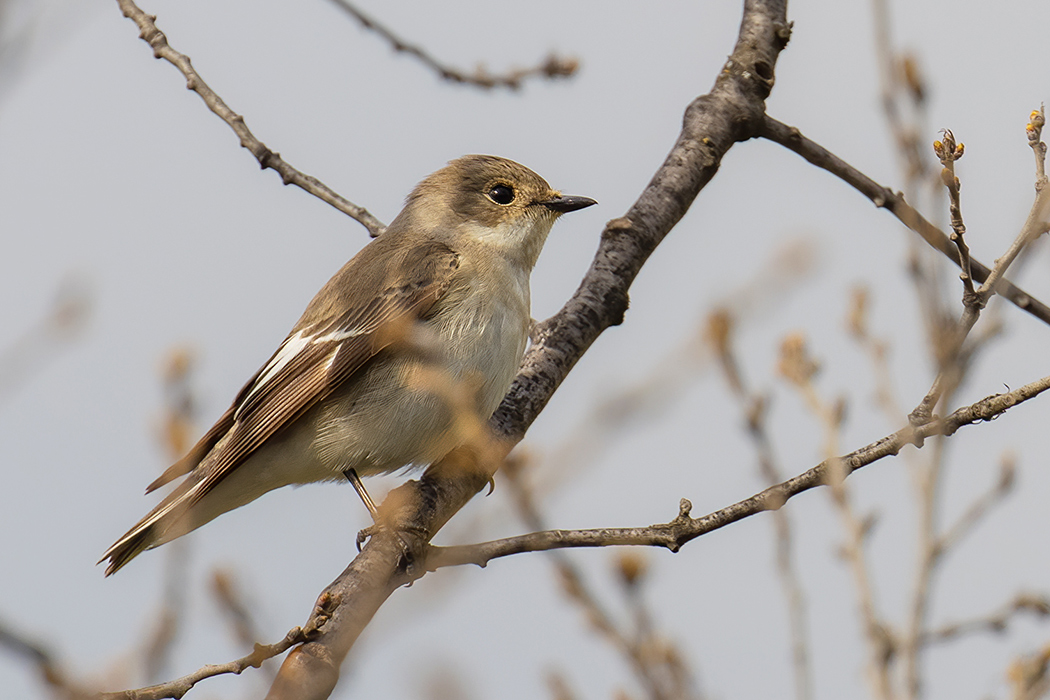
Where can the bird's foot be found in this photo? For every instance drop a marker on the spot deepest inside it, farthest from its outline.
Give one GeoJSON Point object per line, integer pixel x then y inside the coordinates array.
{"type": "Point", "coordinates": [418, 534]}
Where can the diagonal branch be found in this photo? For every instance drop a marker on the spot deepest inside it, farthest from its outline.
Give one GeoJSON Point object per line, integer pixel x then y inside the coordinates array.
{"type": "Point", "coordinates": [733, 111]}
{"type": "Point", "coordinates": [792, 139]}
{"type": "Point", "coordinates": [149, 33]}
{"type": "Point", "coordinates": [683, 529]}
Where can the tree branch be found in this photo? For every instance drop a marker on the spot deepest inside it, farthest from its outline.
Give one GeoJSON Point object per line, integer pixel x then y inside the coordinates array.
{"type": "Point", "coordinates": [792, 139]}
{"type": "Point", "coordinates": [551, 68]}
{"type": "Point", "coordinates": [683, 529]}
{"type": "Point", "coordinates": [149, 33]}
{"type": "Point", "coordinates": [180, 686]}
{"type": "Point", "coordinates": [997, 622]}
{"type": "Point", "coordinates": [733, 111]}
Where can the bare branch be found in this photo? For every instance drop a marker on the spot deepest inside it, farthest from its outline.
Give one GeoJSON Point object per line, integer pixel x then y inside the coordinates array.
{"type": "Point", "coordinates": [948, 151]}
{"type": "Point", "coordinates": [952, 356]}
{"type": "Point", "coordinates": [551, 68]}
{"type": "Point", "coordinates": [1036, 122]}
{"type": "Point", "coordinates": [979, 508]}
{"type": "Point", "coordinates": [663, 675]}
{"type": "Point", "coordinates": [233, 605]}
{"type": "Point", "coordinates": [149, 33]}
{"type": "Point", "coordinates": [180, 686]}
{"type": "Point", "coordinates": [1029, 676]}
{"type": "Point", "coordinates": [720, 327]}
{"type": "Point", "coordinates": [792, 139]}
{"type": "Point", "coordinates": [175, 436]}
{"type": "Point", "coordinates": [996, 622]}
{"type": "Point", "coordinates": [682, 529]}
{"type": "Point", "coordinates": [51, 671]}
{"type": "Point", "coordinates": [796, 365]}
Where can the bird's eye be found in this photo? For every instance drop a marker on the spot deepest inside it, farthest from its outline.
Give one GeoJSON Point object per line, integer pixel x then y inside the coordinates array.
{"type": "Point", "coordinates": [502, 194]}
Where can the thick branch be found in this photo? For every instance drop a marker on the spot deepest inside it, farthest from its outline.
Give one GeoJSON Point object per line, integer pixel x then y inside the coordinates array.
{"type": "Point", "coordinates": [733, 111]}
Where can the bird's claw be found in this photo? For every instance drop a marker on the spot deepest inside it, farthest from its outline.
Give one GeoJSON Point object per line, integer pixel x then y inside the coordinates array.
{"type": "Point", "coordinates": [406, 551]}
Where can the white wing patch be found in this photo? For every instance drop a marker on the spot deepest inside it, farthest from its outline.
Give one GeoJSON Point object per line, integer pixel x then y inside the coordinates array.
{"type": "Point", "coordinates": [336, 336]}
{"type": "Point", "coordinates": [291, 347]}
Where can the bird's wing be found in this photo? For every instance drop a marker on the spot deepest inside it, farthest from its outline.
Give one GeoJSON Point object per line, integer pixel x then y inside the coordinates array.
{"type": "Point", "coordinates": [319, 355]}
{"type": "Point", "coordinates": [372, 310]}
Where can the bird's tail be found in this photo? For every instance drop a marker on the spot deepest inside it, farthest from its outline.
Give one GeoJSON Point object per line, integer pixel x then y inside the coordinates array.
{"type": "Point", "coordinates": [170, 519]}
{"type": "Point", "coordinates": [138, 539]}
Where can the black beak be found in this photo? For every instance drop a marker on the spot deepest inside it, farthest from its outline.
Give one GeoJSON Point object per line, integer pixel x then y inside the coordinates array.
{"type": "Point", "coordinates": [565, 204]}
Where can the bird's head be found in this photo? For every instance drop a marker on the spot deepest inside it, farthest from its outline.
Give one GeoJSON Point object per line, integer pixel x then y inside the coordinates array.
{"type": "Point", "coordinates": [493, 200]}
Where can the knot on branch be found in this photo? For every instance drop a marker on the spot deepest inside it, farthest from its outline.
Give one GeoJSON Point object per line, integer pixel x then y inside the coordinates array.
{"type": "Point", "coordinates": [616, 304]}
{"type": "Point", "coordinates": [679, 527]}
{"type": "Point", "coordinates": [264, 155]}
{"type": "Point", "coordinates": [326, 604]}
{"type": "Point", "coordinates": [616, 227]}
{"type": "Point", "coordinates": [685, 507]}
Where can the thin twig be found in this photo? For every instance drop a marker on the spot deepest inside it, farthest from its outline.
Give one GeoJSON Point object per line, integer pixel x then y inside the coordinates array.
{"type": "Point", "coordinates": [720, 327]}
{"type": "Point", "coordinates": [1029, 676]}
{"type": "Point", "coordinates": [996, 622]}
{"type": "Point", "coordinates": [48, 666]}
{"type": "Point", "coordinates": [149, 33]}
{"type": "Point", "coordinates": [637, 649]}
{"type": "Point", "coordinates": [1037, 222]}
{"type": "Point", "coordinates": [979, 508]}
{"type": "Point", "coordinates": [877, 351]}
{"type": "Point", "coordinates": [948, 151]}
{"type": "Point", "coordinates": [799, 369]}
{"type": "Point", "coordinates": [1036, 122]}
{"type": "Point", "coordinates": [683, 529]}
{"type": "Point", "coordinates": [232, 603]}
{"type": "Point", "coordinates": [951, 357]}
{"type": "Point", "coordinates": [902, 86]}
{"type": "Point", "coordinates": [792, 139]}
{"type": "Point", "coordinates": [947, 345]}
{"type": "Point", "coordinates": [175, 436]}
{"type": "Point", "coordinates": [180, 686]}
{"type": "Point", "coordinates": [552, 67]}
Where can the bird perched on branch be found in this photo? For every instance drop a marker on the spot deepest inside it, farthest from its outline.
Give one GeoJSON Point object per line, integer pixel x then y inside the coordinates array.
{"type": "Point", "coordinates": [426, 322]}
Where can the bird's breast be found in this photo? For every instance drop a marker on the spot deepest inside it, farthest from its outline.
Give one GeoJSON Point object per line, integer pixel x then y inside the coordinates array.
{"type": "Point", "coordinates": [484, 329]}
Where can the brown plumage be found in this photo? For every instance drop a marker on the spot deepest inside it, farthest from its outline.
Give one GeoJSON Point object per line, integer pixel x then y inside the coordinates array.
{"type": "Point", "coordinates": [445, 287]}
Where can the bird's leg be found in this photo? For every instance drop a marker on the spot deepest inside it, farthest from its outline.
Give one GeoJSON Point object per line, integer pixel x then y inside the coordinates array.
{"type": "Point", "coordinates": [355, 481]}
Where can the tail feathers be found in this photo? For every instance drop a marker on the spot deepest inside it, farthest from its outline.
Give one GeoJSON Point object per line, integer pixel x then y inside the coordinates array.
{"type": "Point", "coordinates": [163, 524]}
{"type": "Point", "coordinates": [199, 451]}
{"type": "Point", "coordinates": [137, 540]}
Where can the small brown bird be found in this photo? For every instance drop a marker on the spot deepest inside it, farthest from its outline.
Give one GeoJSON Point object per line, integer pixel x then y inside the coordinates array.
{"type": "Point", "coordinates": [351, 391]}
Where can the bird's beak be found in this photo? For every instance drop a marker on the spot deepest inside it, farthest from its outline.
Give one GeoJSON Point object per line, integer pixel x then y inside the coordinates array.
{"type": "Point", "coordinates": [563, 203]}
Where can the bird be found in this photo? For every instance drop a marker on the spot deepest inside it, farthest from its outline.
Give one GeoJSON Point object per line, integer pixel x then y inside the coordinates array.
{"type": "Point", "coordinates": [430, 317]}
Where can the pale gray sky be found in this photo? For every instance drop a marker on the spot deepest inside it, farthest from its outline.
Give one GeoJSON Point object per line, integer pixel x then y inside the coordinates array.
{"type": "Point", "coordinates": [116, 176]}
